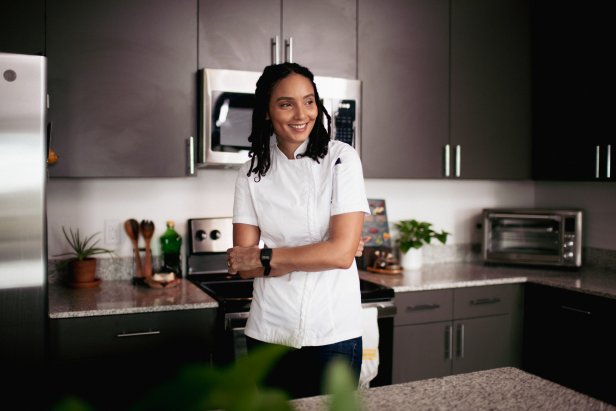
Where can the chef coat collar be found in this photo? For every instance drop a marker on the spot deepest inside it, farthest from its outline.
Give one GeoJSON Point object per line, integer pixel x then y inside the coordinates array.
{"type": "Point", "coordinates": [300, 150]}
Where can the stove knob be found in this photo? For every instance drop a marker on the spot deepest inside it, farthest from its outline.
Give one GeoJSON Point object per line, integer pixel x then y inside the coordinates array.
{"type": "Point", "coordinates": [201, 235]}
{"type": "Point", "coordinates": [215, 234]}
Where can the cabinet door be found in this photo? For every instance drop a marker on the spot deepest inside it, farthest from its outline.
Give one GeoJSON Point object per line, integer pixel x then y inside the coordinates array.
{"type": "Point", "coordinates": [122, 83]}
{"type": "Point", "coordinates": [422, 351]}
{"type": "Point", "coordinates": [482, 344]}
{"type": "Point", "coordinates": [237, 34]}
{"type": "Point", "coordinates": [324, 34]}
{"type": "Point", "coordinates": [490, 88]}
{"type": "Point", "coordinates": [403, 62]}
{"type": "Point", "coordinates": [22, 27]}
{"type": "Point", "coordinates": [573, 74]}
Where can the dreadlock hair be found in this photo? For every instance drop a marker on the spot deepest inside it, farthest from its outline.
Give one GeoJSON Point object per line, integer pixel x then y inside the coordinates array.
{"type": "Point", "coordinates": [262, 128]}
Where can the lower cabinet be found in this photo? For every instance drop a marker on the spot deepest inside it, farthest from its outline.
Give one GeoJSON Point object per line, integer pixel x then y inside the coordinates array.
{"type": "Point", "coordinates": [444, 332]}
{"type": "Point", "coordinates": [569, 339]}
{"type": "Point", "coordinates": [128, 354]}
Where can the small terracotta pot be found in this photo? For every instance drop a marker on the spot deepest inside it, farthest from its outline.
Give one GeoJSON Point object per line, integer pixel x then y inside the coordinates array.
{"type": "Point", "coordinates": [83, 271]}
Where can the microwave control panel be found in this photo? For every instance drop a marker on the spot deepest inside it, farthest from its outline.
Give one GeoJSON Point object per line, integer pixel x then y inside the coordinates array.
{"type": "Point", "coordinates": [344, 122]}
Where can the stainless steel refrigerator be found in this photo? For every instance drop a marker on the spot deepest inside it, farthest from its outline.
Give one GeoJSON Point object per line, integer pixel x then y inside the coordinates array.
{"type": "Point", "coordinates": [23, 238]}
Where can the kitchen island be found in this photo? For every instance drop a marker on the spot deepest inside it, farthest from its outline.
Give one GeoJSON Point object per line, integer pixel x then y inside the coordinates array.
{"type": "Point", "coordinates": [497, 389]}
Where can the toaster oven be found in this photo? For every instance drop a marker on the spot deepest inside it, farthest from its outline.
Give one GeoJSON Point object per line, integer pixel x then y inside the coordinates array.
{"type": "Point", "coordinates": [550, 237]}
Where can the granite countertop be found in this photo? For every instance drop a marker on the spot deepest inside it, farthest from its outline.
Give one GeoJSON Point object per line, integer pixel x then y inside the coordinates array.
{"type": "Point", "coordinates": [497, 389]}
{"type": "Point", "coordinates": [122, 297]}
{"type": "Point", "coordinates": [592, 280]}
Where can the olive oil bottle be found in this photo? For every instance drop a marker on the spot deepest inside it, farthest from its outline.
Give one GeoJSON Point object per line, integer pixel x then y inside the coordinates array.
{"type": "Point", "coordinates": [170, 246]}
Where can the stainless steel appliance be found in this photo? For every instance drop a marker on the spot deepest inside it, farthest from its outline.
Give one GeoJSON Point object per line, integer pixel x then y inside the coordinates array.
{"type": "Point", "coordinates": [227, 100]}
{"type": "Point", "coordinates": [207, 268]}
{"type": "Point", "coordinates": [23, 247]}
{"type": "Point", "coordinates": [550, 237]}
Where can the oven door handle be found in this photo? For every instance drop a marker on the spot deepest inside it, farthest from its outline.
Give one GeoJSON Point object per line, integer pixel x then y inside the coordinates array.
{"type": "Point", "coordinates": [384, 308]}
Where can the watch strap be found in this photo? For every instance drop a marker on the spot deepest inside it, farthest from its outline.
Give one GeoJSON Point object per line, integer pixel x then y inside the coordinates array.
{"type": "Point", "coordinates": [266, 257]}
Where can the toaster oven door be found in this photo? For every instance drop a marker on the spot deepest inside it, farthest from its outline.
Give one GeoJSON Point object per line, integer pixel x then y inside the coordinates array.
{"type": "Point", "coordinates": [523, 238]}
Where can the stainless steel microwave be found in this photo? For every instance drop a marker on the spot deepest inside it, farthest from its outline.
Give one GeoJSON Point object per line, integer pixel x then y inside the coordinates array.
{"type": "Point", "coordinates": [226, 103]}
{"type": "Point", "coordinates": [551, 237]}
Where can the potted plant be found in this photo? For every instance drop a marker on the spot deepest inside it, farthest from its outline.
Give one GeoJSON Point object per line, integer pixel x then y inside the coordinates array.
{"type": "Point", "coordinates": [82, 265]}
{"type": "Point", "coordinates": [412, 235]}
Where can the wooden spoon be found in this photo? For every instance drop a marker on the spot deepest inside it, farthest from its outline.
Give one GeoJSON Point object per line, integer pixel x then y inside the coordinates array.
{"type": "Point", "coordinates": [131, 226]}
{"type": "Point", "coordinates": [147, 231]}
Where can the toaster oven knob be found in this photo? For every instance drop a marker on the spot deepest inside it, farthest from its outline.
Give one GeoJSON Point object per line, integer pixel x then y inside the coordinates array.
{"type": "Point", "coordinates": [215, 234]}
{"type": "Point", "coordinates": [201, 235]}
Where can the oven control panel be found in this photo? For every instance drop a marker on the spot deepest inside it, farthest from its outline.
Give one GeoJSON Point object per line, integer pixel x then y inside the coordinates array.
{"type": "Point", "coordinates": [210, 235]}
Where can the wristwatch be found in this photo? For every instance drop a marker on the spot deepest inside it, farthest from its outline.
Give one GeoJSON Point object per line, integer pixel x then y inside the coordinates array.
{"type": "Point", "coordinates": [266, 257]}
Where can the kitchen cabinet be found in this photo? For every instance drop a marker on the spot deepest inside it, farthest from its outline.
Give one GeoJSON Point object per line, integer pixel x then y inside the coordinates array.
{"type": "Point", "coordinates": [573, 135]}
{"type": "Point", "coordinates": [239, 35]}
{"type": "Point", "coordinates": [122, 85]}
{"type": "Point", "coordinates": [22, 27]}
{"type": "Point", "coordinates": [445, 89]}
{"type": "Point", "coordinates": [444, 332]}
{"type": "Point", "coordinates": [568, 339]}
{"type": "Point", "coordinates": [130, 353]}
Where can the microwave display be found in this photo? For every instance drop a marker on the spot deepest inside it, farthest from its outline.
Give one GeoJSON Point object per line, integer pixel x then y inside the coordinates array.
{"type": "Point", "coordinates": [531, 236]}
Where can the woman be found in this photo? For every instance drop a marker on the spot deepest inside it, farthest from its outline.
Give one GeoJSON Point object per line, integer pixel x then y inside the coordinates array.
{"type": "Point", "coordinates": [301, 194]}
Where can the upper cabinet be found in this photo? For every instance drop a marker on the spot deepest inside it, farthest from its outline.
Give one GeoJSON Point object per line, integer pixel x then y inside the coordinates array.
{"type": "Point", "coordinates": [573, 131]}
{"type": "Point", "coordinates": [249, 35]}
{"type": "Point", "coordinates": [22, 27]}
{"type": "Point", "coordinates": [446, 88]}
{"type": "Point", "coordinates": [122, 85]}
{"type": "Point", "coordinates": [490, 89]}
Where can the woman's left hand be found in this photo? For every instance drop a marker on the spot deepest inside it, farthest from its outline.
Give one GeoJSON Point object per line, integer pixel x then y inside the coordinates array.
{"type": "Point", "coordinates": [243, 259]}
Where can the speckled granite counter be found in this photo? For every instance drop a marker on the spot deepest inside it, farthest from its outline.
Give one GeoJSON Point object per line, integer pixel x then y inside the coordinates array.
{"type": "Point", "coordinates": [593, 280]}
{"type": "Point", "coordinates": [121, 297]}
{"type": "Point", "coordinates": [497, 389]}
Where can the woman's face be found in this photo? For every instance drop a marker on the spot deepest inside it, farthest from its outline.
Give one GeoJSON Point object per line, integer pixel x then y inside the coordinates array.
{"type": "Point", "coordinates": [293, 111]}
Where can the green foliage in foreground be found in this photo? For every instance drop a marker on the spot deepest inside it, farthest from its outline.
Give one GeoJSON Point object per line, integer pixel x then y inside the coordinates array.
{"type": "Point", "coordinates": [235, 388]}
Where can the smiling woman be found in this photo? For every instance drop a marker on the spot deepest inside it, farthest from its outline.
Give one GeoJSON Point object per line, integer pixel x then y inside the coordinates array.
{"type": "Point", "coordinates": [302, 195]}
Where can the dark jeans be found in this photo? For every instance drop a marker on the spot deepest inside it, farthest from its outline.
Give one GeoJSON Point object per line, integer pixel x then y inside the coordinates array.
{"type": "Point", "coordinates": [300, 372]}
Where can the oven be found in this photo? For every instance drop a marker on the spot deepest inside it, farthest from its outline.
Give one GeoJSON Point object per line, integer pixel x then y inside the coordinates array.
{"type": "Point", "coordinates": [209, 239]}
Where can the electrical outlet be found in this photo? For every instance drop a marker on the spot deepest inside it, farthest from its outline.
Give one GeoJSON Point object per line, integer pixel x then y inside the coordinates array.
{"type": "Point", "coordinates": [112, 232]}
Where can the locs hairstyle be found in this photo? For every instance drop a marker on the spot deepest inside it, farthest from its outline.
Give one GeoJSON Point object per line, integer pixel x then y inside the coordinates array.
{"type": "Point", "coordinates": [262, 128]}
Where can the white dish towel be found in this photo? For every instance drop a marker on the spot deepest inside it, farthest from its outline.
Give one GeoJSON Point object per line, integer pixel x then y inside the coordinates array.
{"type": "Point", "coordinates": [370, 342]}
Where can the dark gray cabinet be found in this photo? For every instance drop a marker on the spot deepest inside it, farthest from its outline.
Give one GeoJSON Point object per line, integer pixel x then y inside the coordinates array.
{"type": "Point", "coordinates": [443, 332]}
{"type": "Point", "coordinates": [122, 85]}
{"type": "Point", "coordinates": [446, 89]}
{"type": "Point", "coordinates": [22, 27]}
{"type": "Point", "coordinates": [573, 131]}
{"type": "Point", "coordinates": [568, 339]}
{"type": "Point", "coordinates": [490, 89]}
{"type": "Point", "coordinates": [239, 34]}
{"type": "Point", "coordinates": [127, 355]}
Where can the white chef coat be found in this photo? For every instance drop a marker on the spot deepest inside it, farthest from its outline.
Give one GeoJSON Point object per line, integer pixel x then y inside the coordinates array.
{"type": "Point", "coordinates": [292, 205]}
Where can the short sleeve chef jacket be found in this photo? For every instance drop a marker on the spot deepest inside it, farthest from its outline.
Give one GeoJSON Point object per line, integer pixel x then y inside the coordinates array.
{"type": "Point", "coordinates": [292, 205]}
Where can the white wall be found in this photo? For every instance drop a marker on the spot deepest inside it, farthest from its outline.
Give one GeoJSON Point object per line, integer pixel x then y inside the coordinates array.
{"type": "Point", "coordinates": [454, 206]}
{"type": "Point", "coordinates": [597, 200]}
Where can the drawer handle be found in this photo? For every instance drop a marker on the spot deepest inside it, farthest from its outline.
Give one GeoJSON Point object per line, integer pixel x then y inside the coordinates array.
{"type": "Point", "coordinates": [484, 301]}
{"type": "Point", "coordinates": [422, 307]}
{"type": "Point", "coordinates": [577, 310]}
{"type": "Point", "coordinates": [137, 334]}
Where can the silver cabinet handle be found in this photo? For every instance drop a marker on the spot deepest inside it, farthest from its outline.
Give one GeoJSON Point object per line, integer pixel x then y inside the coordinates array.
{"type": "Point", "coordinates": [275, 51]}
{"type": "Point", "coordinates": [609, 161]}
{"type": "Point", "coordinates": [482, 301]}
{"type": "Point", "coordinates": [191, 156]}
{"type": "Point", "coordinates": [458, 159]}
{"type": "Point", "coordinates": [597, 160]}
{"type": "Point", "coordinates": [137, 334]}
{"type": "Point", "coordinates": [460, 341]}
{"type": "Point", "coordinates": [577, 310]}
{"type": "Point", "coordinates": [422, 307]}
{"type": "Point", "coordinates": [447, 160]}
{"type": "Point", "coordinates": [288, 46]}
{"type": "Point", "coordinates": [448, 342]}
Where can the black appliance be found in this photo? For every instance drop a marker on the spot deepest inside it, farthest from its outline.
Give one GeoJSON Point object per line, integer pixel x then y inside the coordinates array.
{"type": "Point", "coordinates": [209, 238]}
